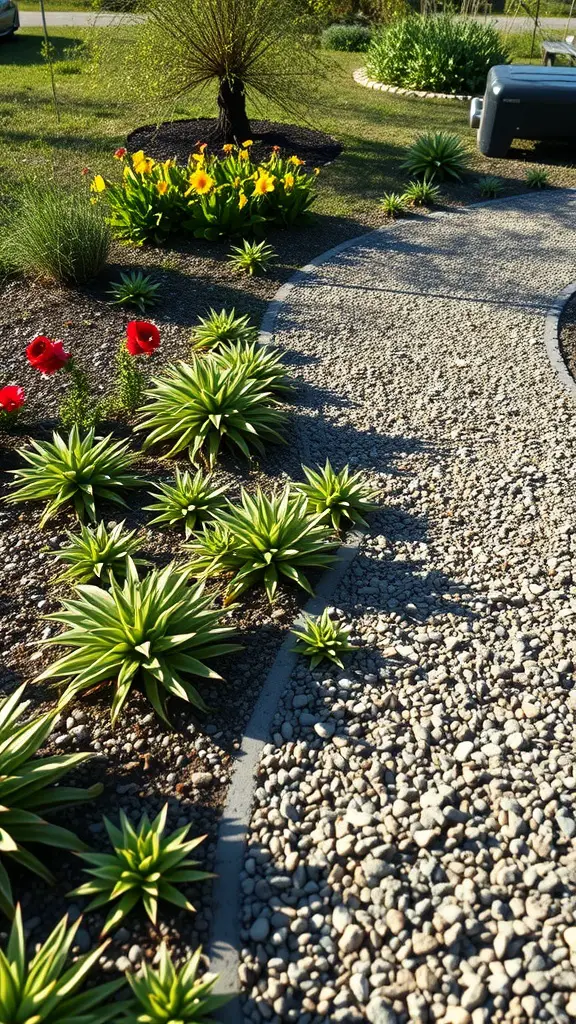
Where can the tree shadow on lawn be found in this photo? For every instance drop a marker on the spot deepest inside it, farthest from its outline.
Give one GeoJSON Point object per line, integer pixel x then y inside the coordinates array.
{"type": "Point", "coordinates": [27, 50]}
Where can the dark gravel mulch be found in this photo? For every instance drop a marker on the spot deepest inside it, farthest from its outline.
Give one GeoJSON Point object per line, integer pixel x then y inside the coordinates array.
{"type": "Point", "coordinates": [568, 336]}
{"type": "Point", "coordinates": [179, 138]}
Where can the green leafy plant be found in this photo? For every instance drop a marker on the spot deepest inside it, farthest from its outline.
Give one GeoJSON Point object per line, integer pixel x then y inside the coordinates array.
{"type": "Point", "coordinates": [261, 540]}
{"type": "Point", "coordinates": [392, 205]}
{"type": "Point", "coordinates": [43, 990]}
{"type": "Point", "coordinates": [144, 867]}
{"type": "Point", "coordinates": [98, 553]}
{"type": "Point", "coordinates": [252, 257]}
{"type": "Point", "coordinates": [78, 408]}
{"type": "Point", "coordinates": [421, 193]}
{"type": "Point", "coordinates": [130, 384]}
{"type": "Point", "coordinates": [28, 790]}
{"type": "Point", "coordinates": [436, 155]}
{"type": "Point", "coordinates": [537, 177]}
{"type": "Point", "coordinates": [342, 495]}
{"type": "Point", "coordinates": [135, 289]}
{"type": "Point", "coordinates": [153, 631]}
{"type": "Point", "coordinates": [77, 470]}
{"type": "Point", "coordinates": [351, 38]}
{"type": "Point", "coordinates": [443, 53]}
{"type": "Point", "coordinates": [191, 500]}
{"type": "Point", "coordinates": [222, 328]}
{"type": "Point", "coordinates": [201, 405]}
{"type": "Point", "coordinates": [259, 363]}
{"type": "Point", "coordinates": [168, 995]}
{"type": "Point", "coordinates": [58, 235]}
{"type": "Point", "coordinates": [489, 186]}
{"type": "Point", "coordinates": [322, 637]}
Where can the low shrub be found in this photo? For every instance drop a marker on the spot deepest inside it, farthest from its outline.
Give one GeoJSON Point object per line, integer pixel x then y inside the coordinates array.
{"type": "Point", "coordinates": [440, 53]}
{"type": "Point", "coordinates": [57, 234]}
{"type": "Point", "coordinates": [190, 501]}
{"type": "Point", "coordinates": [169, 995]}
{"type": "Point", "coordinates": [201, 405]}
{"type": "Point", "coordinates": [46, 991]}
{"type": "Point", "coordinates": [28, 790]}
{"type": "Point", "coordinates": [213, 196]}
{"type": "Point", "coordinates": [97, 554]}
{"type": "Point", "coordinates": [352, 38]}
{"type": "Point", "coordinates": [436, 155]}
{"type": "Point", "coordinates": [222, 328]}
{"type": "Point", "coordinates": [262, 540]}
{"type": "Point", "coordinates": [322, 637]}
{"type": "Point", "coordinates": [74, 470]}
{"type": "Point", "coordinates": [152, 631]}
{"type": "Point", "coordinates": [145, 866]}
{"type": "Point", "coordinates": [340, 497]}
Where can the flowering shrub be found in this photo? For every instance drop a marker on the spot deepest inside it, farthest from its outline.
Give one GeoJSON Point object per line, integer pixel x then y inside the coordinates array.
{"type": "Point", "coordinates": [213, 196]}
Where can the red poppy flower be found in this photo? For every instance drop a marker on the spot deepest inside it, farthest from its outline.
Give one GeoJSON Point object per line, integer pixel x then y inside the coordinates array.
{"type": "Point", "coordinates": [11, 398]}
{"type": "Point", "coordinates": [46, 355]}
{"type": "Point", "coordinates": [141, 337]}
{"type": "Point", "coordinates": [120, 153]}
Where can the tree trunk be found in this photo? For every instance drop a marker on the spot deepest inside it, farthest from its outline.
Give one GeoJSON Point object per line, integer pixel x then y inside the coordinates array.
{"type": "Point", "coordinates": [232, 121]}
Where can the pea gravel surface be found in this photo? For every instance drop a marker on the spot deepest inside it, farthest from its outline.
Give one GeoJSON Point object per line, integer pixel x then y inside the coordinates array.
{"type": "Point", "coordinates": [412, 847]}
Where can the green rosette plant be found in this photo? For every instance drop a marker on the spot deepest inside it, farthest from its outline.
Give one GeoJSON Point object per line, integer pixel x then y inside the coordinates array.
{"type": "Point", "coordinates": [191, 500]}
{"type": "Point", "coordinates": [339, 496]}
{"type": "Point", "coordinates": [168, 995]}
{"type": "Point", "coordinates": [259, 362]}
{"type": "Point", "coordinates": [322, 637]}
{"type": "Point", "coordinates": [29, 789]}
{"type": "Point", "coordinates": [98, 553]}
{"type": "Point", "coordinates": [44, 991]}
{"type": "Point", "coordinates": [145, 866]}
{"type": "Point", "coordinates": [155, 631]}
{"type": "Point", "coordinates": [221, 329]}
{"type": "Point", "coordinates": [436, 155]}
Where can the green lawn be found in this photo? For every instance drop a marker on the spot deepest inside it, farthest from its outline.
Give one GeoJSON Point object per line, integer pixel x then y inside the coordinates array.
{"type": "Point", "coordinates": [99, 109]}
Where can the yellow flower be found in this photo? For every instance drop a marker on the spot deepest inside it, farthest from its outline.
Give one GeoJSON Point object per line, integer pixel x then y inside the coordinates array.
{"type": "Point", "coordinates": [296, 161]}
{"type": "Point", "coordinates": [288, 181]}
{"type": "Point", "coordinates": [168, 164]}
{"type": "Point", "coordinates": [264, 184]}
{"type": "Point", "coordinates": [138, 157]}
{"type": "Point", "coordinates": [98, 184]}
{"type": "Point", "coordinates": [201, 182]}
{"type": "Point", "coordinates": [248, 143]}
{"type": "Point", "coordinates": [228, 148]}
{"type": "Point", "coordinates": [144, 166]}
{"type": "Point", "coordinates": [199, 158]}
{"type": "Point", "coordinates": [242, 200]}
{"type": "Point", "coordinates": [316, 170]}
{"type": "Point", "coordinates": [162, 187]}
{"type": "Point", "coordinates": [237, 182]}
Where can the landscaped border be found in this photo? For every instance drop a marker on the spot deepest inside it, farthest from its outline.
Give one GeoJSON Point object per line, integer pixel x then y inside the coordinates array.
{"type": "Point", "coordinates": [361, 77]}
{"type": "Point", "coordinates": [552, 337]}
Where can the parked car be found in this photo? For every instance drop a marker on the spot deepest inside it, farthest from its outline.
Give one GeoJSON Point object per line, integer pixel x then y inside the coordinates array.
{"type": "Point", "coordinates": [9, 17]}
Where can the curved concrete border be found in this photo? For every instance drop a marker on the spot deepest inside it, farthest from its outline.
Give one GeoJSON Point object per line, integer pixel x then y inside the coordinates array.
{"type": "Point", "coordinates": [552, 337]}
{"type": "Point", "coordinates": [360, 76]}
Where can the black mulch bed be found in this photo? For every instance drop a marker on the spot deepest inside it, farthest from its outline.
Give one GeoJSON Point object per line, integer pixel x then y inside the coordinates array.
{"type": "Point", "coordinates": [568, 336]}
{"type": "Point", "coordinates": [180, 138]}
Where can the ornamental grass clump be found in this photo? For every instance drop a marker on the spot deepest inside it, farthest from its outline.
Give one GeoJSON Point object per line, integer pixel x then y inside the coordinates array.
{"type": "Point", "coordinates": [392, 205]}
{"type": "Point", "coordinates": [28, 790]}
{"type": "Point", "coordinates": [98, 553]}
{"type": "Point", "coordinates": [190, 501]}
{"type": "Point", "coordinates": [537, 177]}
{"type": "Point", "coordinates": [262, 540]}
{"type": "Point", "coordinates": [144, 867]}
{"type": "Point", "coordinates": [170, 996]}
{"type": "Point", "coordinates": [251, 257]}
{"type": "Point", "coordinates": [75, 471]}
{"type": "Point", "coordinates": [490, 187]}
{"type": "Point", "coordinates": [421, 193]}
{"type": "Point", "coordinates": [259, 362]}
{"type": "Point", "coordinates": [200, 406]}
{"type": "Point", "coordinates": [153, 632]}
{"type": "Point", "coordinates": [338, 495]}
{"type": "Point", "coordinates": [436, 155]}
{"type": "Point", "coordinates": [222, 328]}
{"type": "Point", "coordinates": [44, 991]}
{"type": "Point", "coordinates": [322, 637]}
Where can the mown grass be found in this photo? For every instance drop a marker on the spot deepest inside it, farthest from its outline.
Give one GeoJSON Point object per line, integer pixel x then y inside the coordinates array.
{"type": "Point", "coordinates": [98, 109]}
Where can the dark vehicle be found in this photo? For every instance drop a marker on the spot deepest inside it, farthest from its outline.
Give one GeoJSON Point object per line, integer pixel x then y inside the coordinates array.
{"type": "Point", "coordinates": [9, 18]}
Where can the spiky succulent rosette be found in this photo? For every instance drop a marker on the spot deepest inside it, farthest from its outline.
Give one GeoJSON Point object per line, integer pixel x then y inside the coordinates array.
{"type": "Point", "coordinates": [339, 496]}
{"type": "Point", "coordinates": [322, 637]}
{"type": "Point", "coordinates": [169, 995]}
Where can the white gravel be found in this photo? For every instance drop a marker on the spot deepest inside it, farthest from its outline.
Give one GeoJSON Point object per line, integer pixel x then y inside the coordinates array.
{"type": "Point", "coordinates": [415, 858]}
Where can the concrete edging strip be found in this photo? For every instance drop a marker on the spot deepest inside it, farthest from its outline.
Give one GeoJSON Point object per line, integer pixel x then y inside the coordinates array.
{"type": "Point", "coordinates": [552, 337]}
{"type": "Point", "coordinates": [360, 76]}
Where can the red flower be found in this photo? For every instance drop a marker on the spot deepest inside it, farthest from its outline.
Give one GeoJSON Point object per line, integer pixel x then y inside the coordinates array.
{"type": "Point", "coordinates": [11, 398]}
{"type": "Point", "coordinates": [120, 153]}
{"type": "Point", "coordinates": [275, 149]}
{"type": "Point", "coordinates": [141, 337]}
{"type": "Point", "coordinates": [46, 355]}
{"type": "Point", "coordinates": [85, 170]}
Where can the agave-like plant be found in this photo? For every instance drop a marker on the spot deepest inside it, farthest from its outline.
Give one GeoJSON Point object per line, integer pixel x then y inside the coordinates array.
{"type": "Point", "coordinates": [191, 500]}
{"type": "Point", "coordinates": [342, 495]}
{"type": "Point", "coordinates": [77, 470]}
{"type": "Point", "coordinates": [490, 186]}
{"type": "Point", "coordinates": [135, 289]}
{"type": "Point", "coordinates": [98, 552]}
{"type": "Point", "coordinates": [260, 362]}
{"type": "Point", "coordinates": [251, 257]}
{"type": "Point", "coordinates": [45, 991]}
{"type": "Point", "coordinates": [421, 193]}
{"type": "Point", "coordinates": [28, 790]}
{"type": "Point", "coordinates": [200, 405]}
{"type": "Point", "coordinates": [155, 631]}
{"type": "Point", "coordinates": [436, 155]}
{"type": "Point", "coordinates": [392, 205]}
{"type": "Point", "coordinates": [263, 539]}
{"type": "Point", "coordinates": [323, 637]}
{"type": "Point", "coordinates": [537, 177]}
{"type": "Point", "coordinates": [168, 995]}
{"type": "Point", "coordinates": [221, 329]}
{"type": "Point", "coordinates": [144, 866]}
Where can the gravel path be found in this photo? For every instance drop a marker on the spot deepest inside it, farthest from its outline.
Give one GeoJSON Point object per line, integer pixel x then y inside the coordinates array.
{"type": "Point", "coordinates": [413, 841]}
